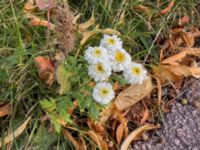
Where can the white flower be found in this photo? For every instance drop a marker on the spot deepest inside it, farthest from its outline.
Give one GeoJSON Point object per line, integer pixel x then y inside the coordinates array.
{"type": "Point", "coordinates": [135, 73]}
{"type": "Point", "coordinates": [95, 54]}
{"type": "Point", "coordinates": [103, 93]}
{"type": "Point", "coordinates": [111, 42]}
{"type": "Point", "coordinates": [119, 59]}
{"type": "Point", "coordinates": [100, 71]}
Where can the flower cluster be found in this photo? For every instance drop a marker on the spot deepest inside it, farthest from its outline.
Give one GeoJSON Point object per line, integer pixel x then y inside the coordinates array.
{"type": "Point", "coordinates": [111, 56]}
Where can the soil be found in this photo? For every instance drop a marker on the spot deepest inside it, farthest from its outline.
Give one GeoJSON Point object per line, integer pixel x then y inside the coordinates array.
{"type": "Point", "coordinates": [181, 130]}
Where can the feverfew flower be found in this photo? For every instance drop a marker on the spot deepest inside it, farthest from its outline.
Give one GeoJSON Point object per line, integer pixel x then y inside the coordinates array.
{"type": "Point", "coordinates": [103, 93]}
{"type": "Point", "coordinates": [100, 71]}
{"type": "Point", "coordinates": [95, 54]}
{"type": "Point", "coordinates": [135, 73]}
{"type": "Point", "coordinates": [119, 59]}
{"type": "Point", "coordinates": [111, 42]}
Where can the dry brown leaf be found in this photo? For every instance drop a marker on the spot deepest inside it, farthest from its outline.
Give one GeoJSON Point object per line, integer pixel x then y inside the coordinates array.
{"type": "Point", "coordinates": [29, 6]}
{"type": "Point", "coordinates": [71, 139]}
{"type": "Point", "coordinates": [165, 75]}
{"type": "Point", "coordinates": [183, 70]}
{"type": "Point", "coordinates": [188, 38]}
{"type": "Point", "coordinates": [175, 59]}
{"type": "Point", "coordinates": [184, 20]}
{"type": "Point", "coordinates": [99, 128]}
{"type": "Point", "coordinates": [136, 134]}
{"type": "Point", "coordinates": [119, 133]}
{"type": "Point", "coordinates": [5, 110]}
{"type": "Point", "coordinates": [88, 34]}
{"type": "Point", "coordinates": [87, 24]}
{"type": "Point", "coordinates": [142, 8]}
{"type": "Point", "coordinates": [46, 69]}
{"type": "Point", "coordinates": [10, 137]}
{"type": "Point", "coordinates": [168, 8]}
{"type": "Point", "coordinates": [145, 117]}
{"type": "Point", "coordinates": [116, 86]}
{"type": "Point", "coordinates": [105, 114]}
{"type": "Point", "coordinates": [83, 144]}
{"type": "Point", "coordinates": [37, 21]}
{"type": "Point", "coordinates": [96, 138]}
{"type": "Point", "coordinates": [133, 94]}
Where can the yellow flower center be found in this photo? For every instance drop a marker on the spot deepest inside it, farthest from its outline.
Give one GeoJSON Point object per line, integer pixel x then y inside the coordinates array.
{"type": "Point", "coordinates": [111, 41]}
{"type": "Point", "coordinates": [100, 68]}
{"type": "Point", "coordinates": [104, 92]}
{"type": "Point", "coordinates": [136, 71]}
{"type": "Point", "coordinates": [119, 56]}
{"type": "Point", "coordinates": [97, 52]}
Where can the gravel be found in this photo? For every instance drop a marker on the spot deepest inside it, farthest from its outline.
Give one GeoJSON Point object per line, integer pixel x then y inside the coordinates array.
{"type": "Point", "coordinates": [181, 130]}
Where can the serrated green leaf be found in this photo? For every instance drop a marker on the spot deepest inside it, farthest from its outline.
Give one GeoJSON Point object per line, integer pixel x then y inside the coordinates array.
{"type": "Point", "coordinates": [62, 109]}
{"type": "Point", "coordinates": [93, 111]}
{"type": "Point", "coordinates": [86, 102]}
{"type": "Point", "coordinates": [48, 105]}
{"type": "Point", "coordinates": [56, 123]}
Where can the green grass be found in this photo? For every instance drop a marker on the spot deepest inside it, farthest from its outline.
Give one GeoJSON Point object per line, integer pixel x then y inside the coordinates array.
{"type": "Point", "coordinates": [20, 43]}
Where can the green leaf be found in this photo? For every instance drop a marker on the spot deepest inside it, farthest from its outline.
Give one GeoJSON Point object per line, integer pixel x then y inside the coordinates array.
{"type": "Point", "coordinates": [86, 103]}
{"type": "Point", "coordinates": [62, 109]}
{"type": "Point", "coordinates": [93, 111]}
{"type": "Point", "coordinates": [119, 78]}
{"type": "Point", "coordinates": [71, 60]}
{"type": "Point", "coordinates": [44, 139]}
{"type": "Point", "coordinates": [56, 123]}
{"type": "Point", "coordinates": [48, 105]}
{"type": "Point", "coordinates": [63, 76]}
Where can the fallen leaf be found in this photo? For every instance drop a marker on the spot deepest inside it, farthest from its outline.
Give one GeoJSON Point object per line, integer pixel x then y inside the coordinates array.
{"type": "Point", "coordinates": [29, 6]}
{"type": "Point", "coordinates": [10, 137]}
{"type": "Point", "coordinates": [188, 38]}
{"type": "Point", "coordinates": [62, 76]}
{"type": "Point", "coordinates": [146, 116]}
{"type": "Point", "coordinates": [183, 70]}
{"type": "Point", "coordinates": [105, 114]}
{"type": "Point", "coordinates": [83, 144]}
{"type": "Point", "coordinates": [87, 24]}
{"type": "Point", "coordinates": [5, 110]}
{"type": "Point", "coordinates": [99, 141]}
{"type": "Point", "coordinates": [165, 75]}
{"type": "Point", "coordinates": [136, 134]}
{"type": "Point", "coordinates": [99, 128]}
{"type": "Point", "coordinates": [37, 21]}
{"type": "Point", "coordinates": [88, 34]}
{"type": "Point", "coordinates": [168, 8]}
{"type": "Point", "coordinates": [142, 8]}
{"type": "Point", "coordinates": [46, 69]}
{"type": "Point", "coordinates": [176, 59]}
{"type": "Point", "coordinates": [116, 86]}
{"type": "Point", "coordinates": [119, 133]}
{"type": "Point", "coordinates": [71, 139]}
{"type": "Point", "coordinates": [184, 20]}
{"type": "Point", "coordinates": [133, 94]}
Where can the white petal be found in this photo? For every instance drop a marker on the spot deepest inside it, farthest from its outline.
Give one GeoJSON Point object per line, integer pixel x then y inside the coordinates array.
{"type": "Point", "coordinates": [97, 93]}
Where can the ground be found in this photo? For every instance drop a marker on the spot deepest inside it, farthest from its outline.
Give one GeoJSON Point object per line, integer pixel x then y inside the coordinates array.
{"type": "Point", "coordinates": [181, 129]}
